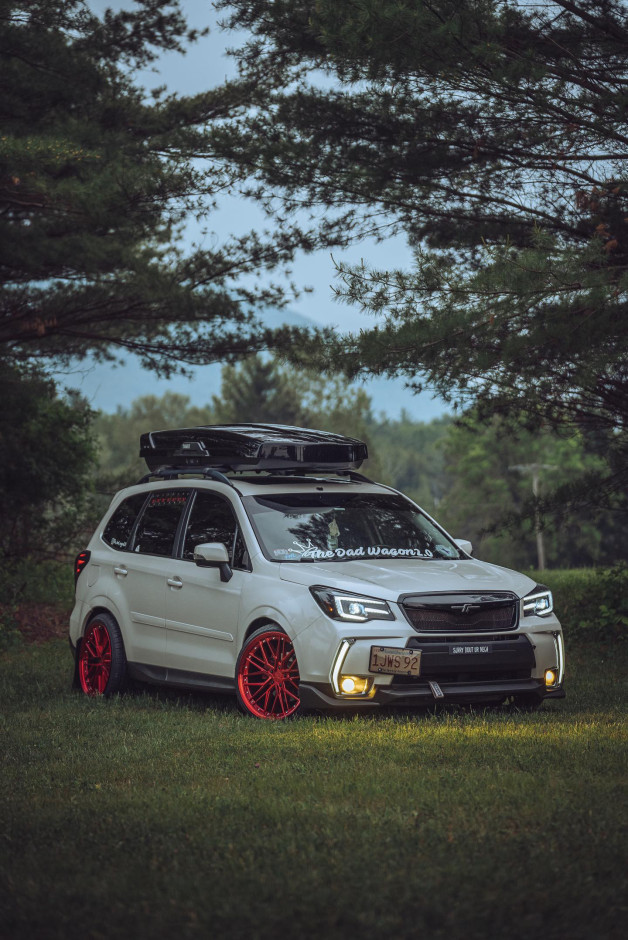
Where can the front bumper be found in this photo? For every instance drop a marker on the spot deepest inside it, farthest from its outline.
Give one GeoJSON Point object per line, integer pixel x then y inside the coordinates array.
{"type": "Point", "coordinates": [316, 696]}
{"type": "Point", "coordinates": [513, 665]}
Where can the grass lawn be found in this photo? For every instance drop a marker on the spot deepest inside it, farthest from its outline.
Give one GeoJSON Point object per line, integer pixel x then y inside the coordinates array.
{"type": "Point", "coordinates": [153, 816]}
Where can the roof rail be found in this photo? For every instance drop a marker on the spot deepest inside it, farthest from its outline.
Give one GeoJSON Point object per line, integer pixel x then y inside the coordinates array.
{"type": "Point", "coordinates": [261, 476]}
{"type": "Point", "coordinates": [173, 473]}
{"type": "Point", "coordinates": [354, 476]}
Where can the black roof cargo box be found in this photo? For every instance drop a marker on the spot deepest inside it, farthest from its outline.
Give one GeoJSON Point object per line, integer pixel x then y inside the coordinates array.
{"type": "Point", "coordinates": [251, 447]}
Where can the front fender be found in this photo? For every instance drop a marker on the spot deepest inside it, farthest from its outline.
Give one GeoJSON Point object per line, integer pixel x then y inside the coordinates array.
{"type": "Point", "coordinates": [291, 606]}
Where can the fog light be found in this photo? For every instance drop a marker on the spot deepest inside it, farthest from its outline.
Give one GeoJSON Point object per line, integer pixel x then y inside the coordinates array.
{"type": "Point", "coordinates": [550, 677]}
{"type": "Point", "coordinates": [354, 685]}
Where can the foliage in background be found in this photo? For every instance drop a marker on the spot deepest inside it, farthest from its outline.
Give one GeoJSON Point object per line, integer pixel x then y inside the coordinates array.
{"type": "Point", "coordinates": [47, 464]}
{"type": "Point", "coordinates": [592, 605]}
{"type": "Point", "coordinates": [60, 465]}
{"type": "Point", "coordinates": [33, 580]}
{"type": "Point", "coordinates": [411, 457]}
{"type": "Point", "coordinates": [493, 134]}
{"type": "Point", "coordinates": [10, 636]}
{"type": "Point", "coordinates": [489, 469]}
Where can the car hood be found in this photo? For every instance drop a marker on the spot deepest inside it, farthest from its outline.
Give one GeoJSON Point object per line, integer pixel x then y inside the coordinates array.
{"type": "Point", "coordinates": [389, 579]}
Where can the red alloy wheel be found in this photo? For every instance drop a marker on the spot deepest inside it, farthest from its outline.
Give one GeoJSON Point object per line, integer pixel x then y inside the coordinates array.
{"type": "Point", "coordinates": [95, 659]}
{"type": "Point", "coordinates": [268, 675]}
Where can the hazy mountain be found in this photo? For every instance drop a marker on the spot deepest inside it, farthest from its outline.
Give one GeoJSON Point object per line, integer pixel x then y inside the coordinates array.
{"type": "Point", "coordinates": [108, 387]}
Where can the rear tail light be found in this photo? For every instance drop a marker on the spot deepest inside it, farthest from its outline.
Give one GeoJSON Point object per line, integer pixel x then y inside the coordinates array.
{"type": "Point", "coordinates": [80, 563]}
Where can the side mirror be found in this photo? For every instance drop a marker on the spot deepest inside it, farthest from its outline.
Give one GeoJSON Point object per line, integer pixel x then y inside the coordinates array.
{"type": "Point", "coordinates": [464, 545]}
{"type": "Point", "coordinates": [214, 555]}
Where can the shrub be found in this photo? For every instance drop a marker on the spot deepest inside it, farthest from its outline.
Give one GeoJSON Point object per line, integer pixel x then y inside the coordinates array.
{"type": "Point", "coordinates": [591, 604]}
{"type": "Point", "coordinates": [10, 636]}
{"type": "Point", "coordinates": [40, 582]}
{"type": "Point", "coordinates": [47, 456]}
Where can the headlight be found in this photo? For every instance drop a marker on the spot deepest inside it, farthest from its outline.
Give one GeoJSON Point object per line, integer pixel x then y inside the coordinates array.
{"type": "Point", "coordinates": [539, 602]}
{"type": "Point", "coordinates": [350, 607]}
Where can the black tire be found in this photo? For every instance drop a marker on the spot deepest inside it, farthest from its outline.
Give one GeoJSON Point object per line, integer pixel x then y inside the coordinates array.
{"type": "Point", "coordinates": [267, 675]}
{"type": "Point", "coordinates": [100, 657]}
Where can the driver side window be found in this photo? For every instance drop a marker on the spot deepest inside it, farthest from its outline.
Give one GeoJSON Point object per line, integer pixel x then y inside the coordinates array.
{"type": "Point", "coordinates": [212, 520]}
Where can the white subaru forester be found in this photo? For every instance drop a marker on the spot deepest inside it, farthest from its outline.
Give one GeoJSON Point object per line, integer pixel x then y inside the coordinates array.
{"type": "Point", "coordinates": [255, 559]}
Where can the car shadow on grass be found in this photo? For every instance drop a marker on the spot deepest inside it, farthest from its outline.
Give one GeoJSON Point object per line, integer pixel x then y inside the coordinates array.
{"type": "Point", "coordinates": [226, 704]}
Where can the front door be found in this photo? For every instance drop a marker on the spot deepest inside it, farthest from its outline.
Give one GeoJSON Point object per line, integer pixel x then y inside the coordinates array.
{"type": "Point", "coordinates": [202, 612]}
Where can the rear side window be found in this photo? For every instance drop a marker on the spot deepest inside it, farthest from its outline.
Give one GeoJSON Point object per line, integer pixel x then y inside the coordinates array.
{"type": "Point", "coordinates": [119, 528]}
{"type": "Point", "coordinates": [157, 529]}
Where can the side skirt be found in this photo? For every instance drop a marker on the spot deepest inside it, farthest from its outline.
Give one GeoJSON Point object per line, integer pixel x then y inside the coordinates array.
{"type": "Point", "coordinates": [180, 679]}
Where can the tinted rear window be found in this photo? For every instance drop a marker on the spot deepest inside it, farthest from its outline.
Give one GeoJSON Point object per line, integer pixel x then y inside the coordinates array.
{"type": "Point", "coordinates": [119, 528]}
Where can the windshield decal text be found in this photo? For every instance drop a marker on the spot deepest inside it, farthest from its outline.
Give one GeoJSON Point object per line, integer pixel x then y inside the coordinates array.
{"type": "Point", "coordinates": [369, 551]}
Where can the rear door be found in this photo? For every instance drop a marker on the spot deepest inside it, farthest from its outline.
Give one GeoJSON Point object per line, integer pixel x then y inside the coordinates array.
{"type": "Point", "coordinates": [139, 575]}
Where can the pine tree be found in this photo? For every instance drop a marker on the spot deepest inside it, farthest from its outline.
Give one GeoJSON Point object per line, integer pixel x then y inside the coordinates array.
{"type": "Point", "coordinates": [96, 179]}
{"type": "Point", "coordinates": [494, 135]}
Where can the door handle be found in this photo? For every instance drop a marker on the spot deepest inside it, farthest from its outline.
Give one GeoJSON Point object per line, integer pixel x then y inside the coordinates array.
{"type": "Point", "coordinates": [119, 569]}
{"type": "Point", "coordinates": [174, 582]}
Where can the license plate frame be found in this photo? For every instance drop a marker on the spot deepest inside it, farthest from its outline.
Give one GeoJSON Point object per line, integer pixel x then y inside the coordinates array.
{"type": "Point", "coordinates": [393, 661]}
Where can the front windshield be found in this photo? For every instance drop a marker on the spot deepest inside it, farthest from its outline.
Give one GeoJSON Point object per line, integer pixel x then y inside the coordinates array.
{"type": "Point", "coordinates": [298, 527]}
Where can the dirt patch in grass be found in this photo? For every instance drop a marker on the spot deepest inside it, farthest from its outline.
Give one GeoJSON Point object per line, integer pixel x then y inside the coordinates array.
{"type": "Point", "coordinates": [38, 623]}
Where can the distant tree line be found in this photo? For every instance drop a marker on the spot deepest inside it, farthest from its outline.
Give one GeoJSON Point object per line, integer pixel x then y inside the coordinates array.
{"type": "Point", "coordinates": [60, 462]}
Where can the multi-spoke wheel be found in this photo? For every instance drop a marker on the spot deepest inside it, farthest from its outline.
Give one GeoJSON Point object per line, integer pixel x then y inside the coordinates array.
{"type": "Point", "coordinates": [101, 657]}
{"type": "Point", "coordinates": [267, 674]}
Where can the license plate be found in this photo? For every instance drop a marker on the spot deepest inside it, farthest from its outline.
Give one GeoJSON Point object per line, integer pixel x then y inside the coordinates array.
{"type": "Point", "coordinates": [469, 649]}
{"type": "Point", "coordinates": [395, 662]}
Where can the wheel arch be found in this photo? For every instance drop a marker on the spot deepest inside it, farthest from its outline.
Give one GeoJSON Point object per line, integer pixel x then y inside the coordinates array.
{"type": "Point", "coordinates": [96, 609]}
{"type": "Point", "coordinates": [101, 608]}
{"type": "Point", "coordinates": [261, 616]}
{"type": "Point", "coordinates": [264, 621]}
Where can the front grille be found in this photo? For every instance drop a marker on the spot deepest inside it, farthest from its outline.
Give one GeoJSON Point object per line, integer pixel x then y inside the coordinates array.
{"type": "Point", "coordinates": [508, 659]}
{"type": "Point", "coordinates": [452, 613]}
{"type": "Point", "coordinates": [422, 641]}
